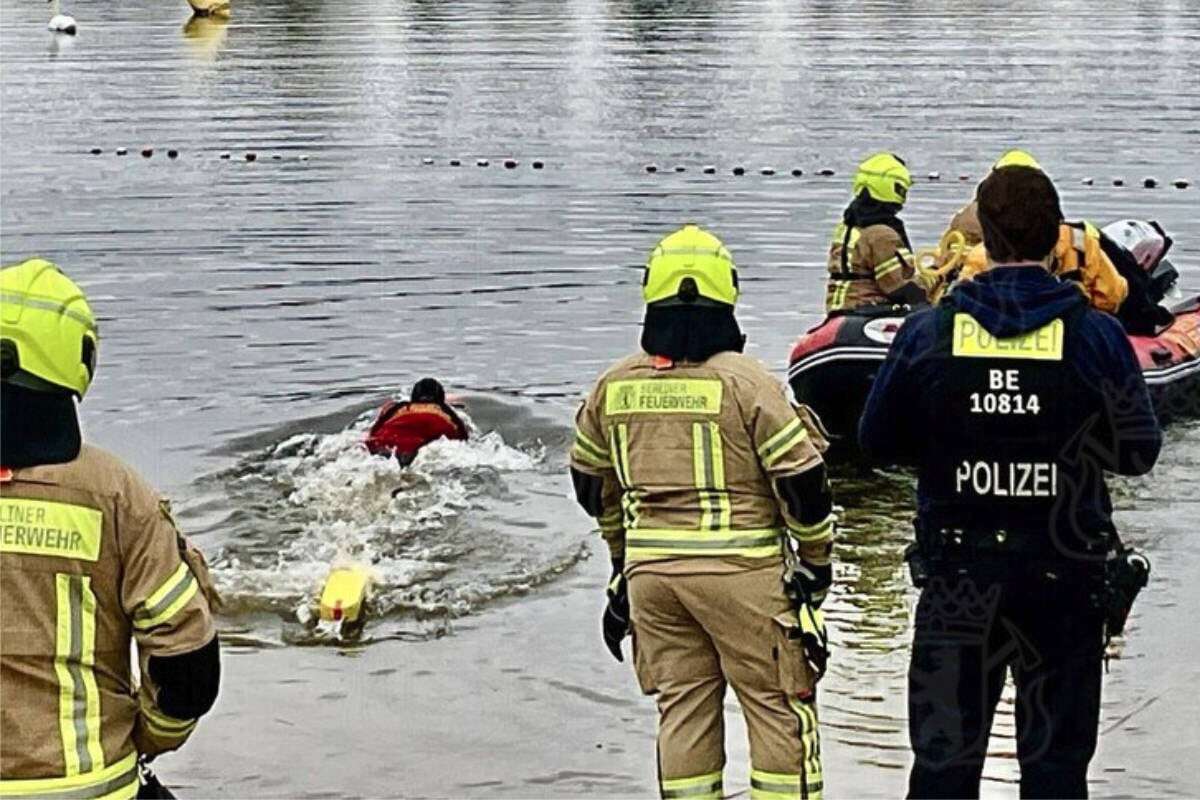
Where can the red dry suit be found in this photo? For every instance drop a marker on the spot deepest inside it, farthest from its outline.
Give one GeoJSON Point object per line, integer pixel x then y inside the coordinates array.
{"type": "Point", "coordinates": [401, 429]}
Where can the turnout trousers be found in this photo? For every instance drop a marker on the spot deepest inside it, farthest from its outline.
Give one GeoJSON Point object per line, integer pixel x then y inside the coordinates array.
{"type": "Point", "coordinates": [971, 629]}
{"type": "Point", "coordinates": [696, 633]}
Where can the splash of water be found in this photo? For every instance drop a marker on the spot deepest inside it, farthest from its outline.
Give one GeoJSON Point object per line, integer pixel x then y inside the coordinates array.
{"type": "Point", "coordinates": [440, 538]}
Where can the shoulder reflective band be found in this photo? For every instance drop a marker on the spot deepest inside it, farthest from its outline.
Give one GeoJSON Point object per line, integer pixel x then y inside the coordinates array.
{"type": "Point", "coordinates": [45, 528]}
{"type": "Point", "coordinates": [700, 787]}
{"type": "Point", "coordinates": [708, 467]}
{"type": "Point", "coordinates": [118, 781]}
{"type": "Point", "coordinates": [167, 599]}
{"type": "Point", "coordinates": [775, 448]}
{"type": "Point", "coordinates": [74, 662]}
{"type": "Point", "coordinates": [663, 396]}
{"type": "Point", "coordinates": [971, 340]}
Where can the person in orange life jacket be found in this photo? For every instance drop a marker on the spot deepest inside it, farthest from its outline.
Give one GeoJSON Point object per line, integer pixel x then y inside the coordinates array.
{"type": "Point", "coordinates": [1013, 398]}
{"type": "Point", "coordinates": [403, 428]}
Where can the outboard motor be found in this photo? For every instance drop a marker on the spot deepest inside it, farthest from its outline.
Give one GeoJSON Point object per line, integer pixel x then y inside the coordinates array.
{"type": "Point", "coordinates": [1138, 250]}
{"type": "Point", "coordinates": [1148, 243]}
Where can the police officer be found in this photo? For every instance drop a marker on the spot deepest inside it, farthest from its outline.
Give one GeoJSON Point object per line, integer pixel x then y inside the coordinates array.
{"type": "Point", "coordinates": [703, 477]}
{"type": "Point", "coordinates": [1013, 398]}
{"type": "Point", "coordinates": [870, 257]}
{"type": "Point", "coordinates": [89, 558]}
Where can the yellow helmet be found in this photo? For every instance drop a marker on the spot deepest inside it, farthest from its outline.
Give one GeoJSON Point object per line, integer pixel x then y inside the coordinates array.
{"type": "Point", "coordinates": [48, 335]}
{"type": "Point", "coordinates": [885, 177]}
{"type": "Point", "coordinates": [1017, 158]}
{"type": "Point", "coordinates": [690, 252]}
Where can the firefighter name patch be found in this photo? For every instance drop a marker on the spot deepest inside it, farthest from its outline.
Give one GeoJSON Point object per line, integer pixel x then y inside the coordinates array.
{"type": "Point", "coordinates": [971, 340]}
{"type": "Point", "coordinates": [663, 396]}
{"type": "Point", "coordinates": [45, 528]}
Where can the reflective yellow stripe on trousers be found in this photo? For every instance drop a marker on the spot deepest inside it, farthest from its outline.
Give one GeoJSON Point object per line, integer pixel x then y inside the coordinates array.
{"type": "Point", "coordinates": [700, 787]}
{"type": "Point", "coordinates": [810, 740]}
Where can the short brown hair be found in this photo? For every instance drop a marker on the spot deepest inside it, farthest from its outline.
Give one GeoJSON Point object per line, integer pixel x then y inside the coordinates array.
{"type": "Point", "coordinates": [1019, 213]}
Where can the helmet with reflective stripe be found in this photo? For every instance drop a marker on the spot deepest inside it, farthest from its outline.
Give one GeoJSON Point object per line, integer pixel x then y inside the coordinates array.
{"type": "Point", "coordinates": [48, 335]}
{"type": "Point", "coordinates": [690, 257]}
{"type": "Point", "coordinates": [885, 177]}
{"type": "Point", "coordinates": [1017, 158]}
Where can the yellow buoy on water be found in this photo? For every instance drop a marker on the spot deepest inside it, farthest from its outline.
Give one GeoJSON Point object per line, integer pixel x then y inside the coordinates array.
{"type": "Point", "coordinates": [210, 8]}
{"type": "Point", "coordinates": [344, 594]}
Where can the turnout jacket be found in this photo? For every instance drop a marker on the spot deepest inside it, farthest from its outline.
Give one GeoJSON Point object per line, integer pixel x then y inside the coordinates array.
{"type": "Point", "coordinates": [1078, 256]}
{"type": "Point", "coordinates": [871, 265]}
{"type": "Point", "coordinates": [90, 559]}
{"type": "Point", "coordinates": [1013, 398]}
{"type": "Point", "coordinates": [702, 460]}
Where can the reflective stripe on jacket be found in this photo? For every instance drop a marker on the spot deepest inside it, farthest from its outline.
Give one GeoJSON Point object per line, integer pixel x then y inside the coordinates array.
{"type": "Point", "coordinates": [90, 560]}
{"type": "Point", "coordinates": [692, 451]}
{"type": "Point", "coordinates": [867, 266]}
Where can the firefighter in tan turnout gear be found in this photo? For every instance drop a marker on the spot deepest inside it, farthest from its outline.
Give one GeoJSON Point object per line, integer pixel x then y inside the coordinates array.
{"type": "Point", "coordinates": [711, 493]}
{"type": "Point", "coordinates": [89, 559]}
{"type": "Point", "coordinates": [870, 258]}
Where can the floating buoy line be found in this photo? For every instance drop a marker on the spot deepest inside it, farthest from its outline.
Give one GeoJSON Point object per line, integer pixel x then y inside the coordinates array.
{"type": "Point", "coordinates": [737, 170]}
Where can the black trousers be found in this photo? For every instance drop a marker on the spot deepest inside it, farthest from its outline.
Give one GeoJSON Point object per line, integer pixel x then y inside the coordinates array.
{"type": "Point", "coordinates": [973, 625]}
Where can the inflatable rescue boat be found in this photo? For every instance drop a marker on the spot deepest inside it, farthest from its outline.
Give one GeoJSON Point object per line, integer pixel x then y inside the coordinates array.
{"type": "Point", "coordinates": [833, 365]}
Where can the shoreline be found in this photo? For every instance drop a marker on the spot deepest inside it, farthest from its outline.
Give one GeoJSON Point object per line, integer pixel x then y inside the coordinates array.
{"type": "Point", "coordinates": [523, 701]}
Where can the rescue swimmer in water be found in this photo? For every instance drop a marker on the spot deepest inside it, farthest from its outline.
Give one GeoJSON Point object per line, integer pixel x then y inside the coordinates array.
{"type": "Point", "coordinates": [401, 429]}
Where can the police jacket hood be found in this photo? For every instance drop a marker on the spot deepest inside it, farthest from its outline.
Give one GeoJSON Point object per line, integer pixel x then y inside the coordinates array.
{"type": "Point", "coordinates": [1010, 301]}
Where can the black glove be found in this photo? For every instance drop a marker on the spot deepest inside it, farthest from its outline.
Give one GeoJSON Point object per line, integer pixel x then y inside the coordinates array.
{"type": "Point", "coordinates": [810, 583]}
{"type": "Point", "coordinates": [616, 614]}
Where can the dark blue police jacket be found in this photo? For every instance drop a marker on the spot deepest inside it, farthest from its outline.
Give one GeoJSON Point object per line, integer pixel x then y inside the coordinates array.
{"type": "Point", "coordinates": [1012, 398]}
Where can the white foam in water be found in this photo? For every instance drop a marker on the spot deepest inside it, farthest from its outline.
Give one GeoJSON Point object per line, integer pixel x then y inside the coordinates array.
{"type": "Point", "coordinates": [418, 529]}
